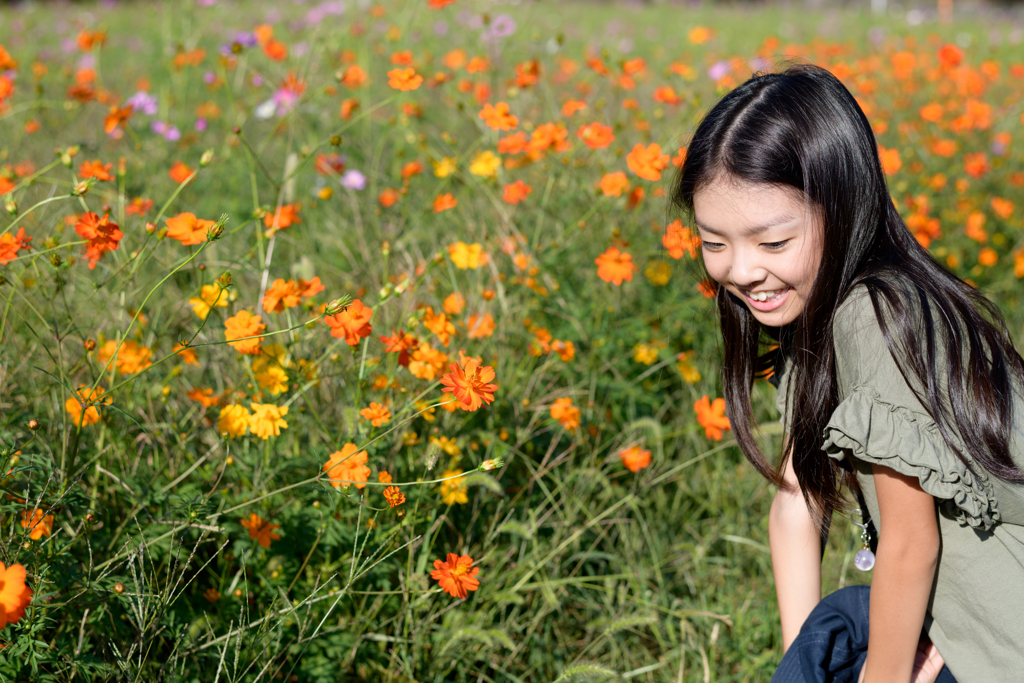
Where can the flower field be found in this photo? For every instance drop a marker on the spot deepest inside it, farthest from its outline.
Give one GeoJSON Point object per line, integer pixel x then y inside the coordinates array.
{"type": "Point", "coordinates": [357, 341]}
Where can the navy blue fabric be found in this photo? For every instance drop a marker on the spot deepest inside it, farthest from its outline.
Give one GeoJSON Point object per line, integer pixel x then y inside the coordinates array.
{"type": "Point", "coordinates": [833, 643]}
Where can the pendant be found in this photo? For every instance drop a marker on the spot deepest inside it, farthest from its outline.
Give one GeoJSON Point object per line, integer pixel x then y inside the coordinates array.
{"type": "Point", "coordinates": [864, 560]}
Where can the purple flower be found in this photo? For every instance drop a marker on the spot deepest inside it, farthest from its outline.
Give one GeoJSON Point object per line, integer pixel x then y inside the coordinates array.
{"type": "Point", "coordinates": [158, 127]}
{"type": "Point", "coordinates": [718, 69]}
{"type": "Point", "coordinates": [257, 80]}
{"type": "Point", "coordinates": [246, 39]}
{"type": "Point", "coordinates": [285, 100]}
{"type": "Point", "coordinates": [143, 103]}
{"type": "Point", "coordinates": [200, 125]}
{"type": "Point", "coordinates": [206, 3]}
{"type": "Point", "coordinates": [760, 64]}
{"type": "Point", "coordinates": [87, 61]}
{"type": "Point", "coordinates": [441, 28]}
{"type": "Point", "coordinates": [353, 180]}
{"type": "Point", "coordinates": [998, 148]}
{"type": "Point", "coordinates": [172, 134]}
{"type": "Point", "coordinates": [209, 77]}
{"type": "Point", "coordinates": [502, 27]}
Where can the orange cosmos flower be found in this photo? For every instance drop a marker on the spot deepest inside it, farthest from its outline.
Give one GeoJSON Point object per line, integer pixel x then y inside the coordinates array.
{"type": "Point", "coordinates": [614, 266]}
{"type": "Point", "coordinates": [400, 344]}
{"type": "Point", "coordinates": [647, 162]}
{"type": "Point", "coordinates": [180, 172]}
{"type": "Point", "coordinates": [204, 396]}
{"type": "Point", "coordinates": [285, 216]}
{"type": "Point", "coordinates": [931, 112]}
{"type": "Point", "coordinates": [40, 526]}
{"type": "Point", "coordinates": [355, 77]}
{"type": "Point", "coordinates": [566, 413]}
{"type": "Point", "coordinates": [438, 4]}
{"type": "Point", "coordinates": [348, 105]}
{"type": "Point", "coordinates": [439, 324]}
{"type": "Point", "coordinates": [445, 201]}
{"type": "Point", "coordinates": [596, 135]}
{"type": "Point", "coordinates": [388, 196]}
{"type": "Point", "coordinates": [260, 530]}
{"type": "Point", "coordinates": [425, 362]}
{"type": "Point", "coordinates": [281, 295]}
{"type": "Point", "coordinates": [470, 384]}
{"type": "Point", "coordinates": [666, 94]}
{"type": "Point", "coordinates": [711, 416]}
{"type": "Point", "coordinates": [188, 229]}
{"type": "Point", "coordinates": [116, 118]}
{"type": "Point", "coordinates": [890, 159]}
{"type": "Point", "coordinates": [635, 458]}
{"type": "Point", "coordinates": [404, 79]}
{"type": "Point", "coordinates": [14, 594]}
{"type": "Point", "coordinates": [352, 324]}
{"type": "Point", "coordinates": [516, 192]}
{"type": "Point", "coordinates": [87, 40]}
{"type": "Point", "coordinates": [512, 144]}
{"type": "Point", "coordinates": [680, 240]}
{"type": "Point", "coordinates": [11, 244]}
{"type": "Point", "coordinates": [498, 116]}
{"type": "Point", "coordinates": [377, 414]}
{"type": "Point", "coordinates": [1002, 207]}
{"type": "Point", "coordinates": [393, 496]}
{"type": "Point", "coordinates": [613, 184]}
{"type": "Point", "coordinates": [347, 467]}
{"type": "Point", "coordinates": [480, 326]}
{"type": "Point", "coordinates": [976, 164]}
{"type": "Point", "coordinates": [139, 206]}
{"type": "Point", "coordinates": [95, 169]}
{"type": "Point", "coordinates": [454, 303]}
{"type": "Point", "coordinates": [103, 235]}
{"type": "Point", "coordinates": [383, 477]}
{"type": "Point", "coordinates": [244, 324]}
{"type": "Point", "coordinates": [944, 148]}
{"type": "Point", "coordinates": [83, 396]}
{"type": "Point", "coordinates": [456, 576]}
{"type": "Point", "coordinates": [950, 56]}
{"type": "Point", "coordinates": [276, 50]}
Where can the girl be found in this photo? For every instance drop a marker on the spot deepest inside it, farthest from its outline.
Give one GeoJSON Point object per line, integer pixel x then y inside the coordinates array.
{"type": "Point", "coordinates": [896, 379]}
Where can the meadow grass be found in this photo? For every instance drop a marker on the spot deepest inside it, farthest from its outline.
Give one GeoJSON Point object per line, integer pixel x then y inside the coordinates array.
{"type": "Point", "coordinates": [141, 566]}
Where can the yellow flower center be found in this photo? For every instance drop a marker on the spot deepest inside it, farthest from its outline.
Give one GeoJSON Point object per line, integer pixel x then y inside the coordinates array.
{"type": "Point", "coordinates": [460, 570]}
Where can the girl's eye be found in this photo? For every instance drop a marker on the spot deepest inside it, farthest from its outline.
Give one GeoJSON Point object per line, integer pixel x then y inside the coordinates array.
{"type": "Point", "coordinates": [774, 246]}
{"type": "Point", "coordinates": [711, 246]}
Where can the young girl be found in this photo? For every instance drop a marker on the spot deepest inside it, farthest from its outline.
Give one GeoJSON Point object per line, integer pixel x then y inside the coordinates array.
{"type": "Point", "coordinates": [896, 379]}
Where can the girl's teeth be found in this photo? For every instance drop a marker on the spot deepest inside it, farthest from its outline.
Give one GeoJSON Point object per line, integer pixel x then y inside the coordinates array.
{"type": "Point", "coordinates": [764, 296]}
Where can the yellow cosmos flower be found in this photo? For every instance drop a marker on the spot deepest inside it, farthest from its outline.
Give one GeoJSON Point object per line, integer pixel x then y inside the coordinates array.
{"type": "Point", "coordinates": [468, 256]}
{"type": "Point", "coordinates": [209, 296]}
{"type": "Point", "coordinates": [445, 167]}
{"type": "Point", "coordinates": [453, 491]}
{"type": "Point", "coordinates": [645, 353]}
{"type": "Point", "coordinates": [274, 379]}
{"type": "Point", "coordinates": [485, 164]}
{"type": "Point", "coordinates": [233, 421]}
{"type": "Point", "coordinates": [267, 419]}
{"type": "Point", "coordinates": [658, 273]}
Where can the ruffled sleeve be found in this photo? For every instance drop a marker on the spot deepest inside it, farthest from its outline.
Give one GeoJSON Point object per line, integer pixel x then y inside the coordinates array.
{"type": "Point", "coordinates": [879, 419]}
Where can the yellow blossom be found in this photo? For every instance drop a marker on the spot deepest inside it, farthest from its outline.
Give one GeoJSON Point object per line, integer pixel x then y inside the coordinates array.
{"type": "Point", "coordinates": [209, 296]}
{"type": "Point", "coordinates": [658, 273]}
{"type": "Point", "coordinates": [485, 164]}
{"type": "Point", "coordinates": [454, 490]}
{"type": "Point", "coordinates": [445, 444]}
{"type": "Point", "coordinates": [645, 353]}
{"type": "Point", "coordinates": [274, 379]}
{"type": "Point", "coordinates": [267, 419]}
{"type": "Point", "coordinates": [468, 256]}
{"type": "Point", "coordinates": [233, 421]}
{"type": "Point", "coordinates": [445, 167]}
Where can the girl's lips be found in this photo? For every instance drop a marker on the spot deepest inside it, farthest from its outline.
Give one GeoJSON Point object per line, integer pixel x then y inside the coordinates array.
{"type": "Point", "coordinates": [769, 305]}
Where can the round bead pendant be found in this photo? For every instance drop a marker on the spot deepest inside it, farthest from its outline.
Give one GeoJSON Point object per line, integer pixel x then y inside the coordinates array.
{"type": "Point", "coordinates": [864, 560]}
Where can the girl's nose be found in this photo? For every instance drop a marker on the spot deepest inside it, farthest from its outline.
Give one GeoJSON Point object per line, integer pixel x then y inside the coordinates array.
{"type": "Point", "coordinates": [745, 270]}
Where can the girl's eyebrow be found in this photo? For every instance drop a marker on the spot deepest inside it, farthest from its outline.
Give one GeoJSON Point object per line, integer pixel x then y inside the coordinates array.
{"type": "Point", "coordinates": [749, 232]}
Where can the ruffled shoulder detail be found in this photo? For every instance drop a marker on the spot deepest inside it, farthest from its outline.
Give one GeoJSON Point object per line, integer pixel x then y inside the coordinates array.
{"type": "Point", "coordinates": [876, 431]}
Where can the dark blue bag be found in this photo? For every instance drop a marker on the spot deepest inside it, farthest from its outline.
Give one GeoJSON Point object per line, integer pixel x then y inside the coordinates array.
{"type": "Point", "coordinates": [833, 643]}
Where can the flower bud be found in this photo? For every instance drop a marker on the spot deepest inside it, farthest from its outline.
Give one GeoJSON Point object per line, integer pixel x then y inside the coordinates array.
{"type": "Point", "coordinates": [33, 424]}
{"type": "Point", "coordinates": [336, 140]}
{"type": "Point", "coordinates": [122, 166]}
{"type": "Point", "coordinates": [205, 160]}
{"type": "Point", "coordinates": [90, 517]}
{"type": "Point", "coordinates": [338, 305]}
{"type": "Point", "coordinates": [89, 344]}
{"type": "Point", "coordinates": [54, 260]}
{"type": "Point", "coordinates": [224, 280]}
{"type": "Point", "coordinates": [217, 229]}
{"type": "Point", "coordinates": [229, 461]}
{"type": "Point", "coordinates": [11, 206]}
{"type": "Point", "coordinates": [492, 464]}
{"type": "Point", "coordinates": [385, 248]}
{"type": "Point", "coordinates": [150, 227]}
{"type": "Point", "coordinates": [81, 189]}
{"type": "Point", "coordinates": [13, 462]}
{"type": "Point", "coordinates": [119, 588]}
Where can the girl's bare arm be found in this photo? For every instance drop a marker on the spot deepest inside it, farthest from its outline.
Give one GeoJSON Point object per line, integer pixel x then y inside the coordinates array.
{"type": "Point", "coordinates": [908, 552]}
{"type": "Point", "coordinates": [796, 556]}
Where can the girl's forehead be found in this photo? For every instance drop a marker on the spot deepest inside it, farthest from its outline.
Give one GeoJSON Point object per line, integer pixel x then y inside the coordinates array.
{"type": "Point", "coordinates": [739, 201]}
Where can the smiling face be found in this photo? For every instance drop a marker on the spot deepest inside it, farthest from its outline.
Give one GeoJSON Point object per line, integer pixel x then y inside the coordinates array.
{"type": "Point", "coordinates": [760, 242]}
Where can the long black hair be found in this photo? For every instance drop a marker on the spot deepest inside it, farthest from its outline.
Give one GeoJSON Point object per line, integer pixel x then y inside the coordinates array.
{"type": "Point", "coordinates": [801, 128]}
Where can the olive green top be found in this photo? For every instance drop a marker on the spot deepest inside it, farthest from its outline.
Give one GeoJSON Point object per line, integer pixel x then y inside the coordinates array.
{"type": "Point", "coordinates": [976, 610]}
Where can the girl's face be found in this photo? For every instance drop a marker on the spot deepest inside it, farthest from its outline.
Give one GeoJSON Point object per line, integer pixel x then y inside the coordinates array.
{"type": "Point", "coordinates": [760, 242]}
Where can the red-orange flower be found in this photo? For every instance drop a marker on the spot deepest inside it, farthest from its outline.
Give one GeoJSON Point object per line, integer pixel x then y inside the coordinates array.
{"type": "Point", "coordinates": [285, 216]}
{"type": "Point", "coordinates": [516, 192]}
{"type": "Point", "coordinates": [352, 324]}
{"type": "Point", "coordinates": [188, 229]}
{"type": "Point", "coordinates": [95, 169]}
{"type": "Point", "coordinates": [456, 575]}
{"type": "Point", "coordinates": [680, 240]}
{"type": "Point", "coordinates": [14, 594]}
{"type": "Point", "coordinates": [347, 467]}
{"type": "Point", "coordinates": [103, 235]}
{"type": "Point", "coordinates": [393, 496]}
{"type": "Point", "coordinates": [566, 413]}
{"type": "Point", "coordinates": [635, 458]}
{"type": "Point", "coordinates": [404, 79]}
{"type": "Point", "coordinates": [443, 202]}
{"type": "Point", "coordinates": [11, 243]}
{"type": "Point", "coordinates": [711, 416]}
{"type": "Point", "coordinates": [244, 324]}
{"type": "Point", "coordinates": [377, 414]}
{"type": "Point", "coordinates": [596, 135]}
{"type": "Point", "coordinates": [470, 384]}
{"type": "Point", "coordinates": [180, 172]}
{"type": "Point", "coordinates": [116, 118]}
{"type": "Point", "coordinates": [613, 184]}
{"type": "Point", "coordinates": [281, 295]}
{"type": "Point", "coordinates": [614, 266]}
{"type": "Point", "coordinates": [498, 116]}
{"type": "Point", "coordinates": [890, 159]}
{"type": "Point", "coordinates": [139, 206]}
{"type": "Point", "coordinates": [400, 344]}
{"type": "Point", "coordinates": [647, 162]}
{"type": "Point", "coordinates": [38, 524]}
{"type": "Point", "coordinates": [261, 530]}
